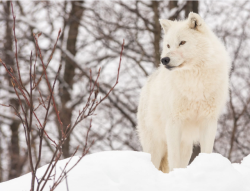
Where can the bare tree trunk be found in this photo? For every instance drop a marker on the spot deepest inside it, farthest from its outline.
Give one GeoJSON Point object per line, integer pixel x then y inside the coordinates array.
{"type": "Point", "coordinates": [69, 70]}
{"type": "Point", "coordinates": [191, 6]}
{"type": "Point", "coordinates": [157, 32]}
{"type": "Point", "coordinates": [172, 5]}
{"type": "Point", "coordinates": [14, 150]}
{"type": "Point", "coordinates": [15, 166]}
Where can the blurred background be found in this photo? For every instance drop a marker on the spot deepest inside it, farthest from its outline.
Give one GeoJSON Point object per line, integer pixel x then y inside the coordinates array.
{"type": "Point", "coordinates": [93, 32]}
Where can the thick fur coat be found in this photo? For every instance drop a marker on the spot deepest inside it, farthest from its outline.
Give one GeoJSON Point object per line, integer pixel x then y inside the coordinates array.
{"type": "Point", "coordinates": [180, 103]}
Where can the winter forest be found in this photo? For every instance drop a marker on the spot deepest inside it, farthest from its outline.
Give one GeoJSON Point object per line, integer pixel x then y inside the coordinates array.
{"type": "Point", "coordinates": [71, 74]}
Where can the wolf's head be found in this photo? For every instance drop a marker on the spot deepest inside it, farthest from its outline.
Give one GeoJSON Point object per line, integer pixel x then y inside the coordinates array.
{"type": "Point", "coordinates": [185, 42]}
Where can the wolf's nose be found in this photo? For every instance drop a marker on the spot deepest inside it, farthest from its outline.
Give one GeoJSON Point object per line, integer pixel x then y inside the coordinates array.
{"type": "Point", "coordinates": [165, 60]}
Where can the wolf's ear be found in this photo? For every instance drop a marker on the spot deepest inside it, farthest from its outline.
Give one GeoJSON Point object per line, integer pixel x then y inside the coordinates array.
{"type": "Point", "coordinates": [194, 21]}
{"type": "Point", "coordinates": [165, 24]}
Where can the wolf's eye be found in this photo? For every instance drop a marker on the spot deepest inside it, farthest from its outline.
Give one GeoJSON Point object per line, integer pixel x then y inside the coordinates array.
{"type": "Point", "coordinates": [168, 46]}
{"type": "Point", "coordinates": [182, 42]}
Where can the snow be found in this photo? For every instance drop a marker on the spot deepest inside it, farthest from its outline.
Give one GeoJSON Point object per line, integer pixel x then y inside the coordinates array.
{"type": "Point", "coordinates": [133, 171]}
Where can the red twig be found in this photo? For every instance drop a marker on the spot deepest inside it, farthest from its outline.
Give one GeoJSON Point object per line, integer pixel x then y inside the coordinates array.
{"type": "Point", "coordinates": [50, 58]}
{"type": "Point", "coordinates": [45, 119]}
{"type": "Point", "coordinates": [15, 80]}
{"type": "Point", "coordinates": [46, 77]}
{"type": "Point", "coordinates": [87, 111]}
{"type": "Point", "coordinates": [15, 39]}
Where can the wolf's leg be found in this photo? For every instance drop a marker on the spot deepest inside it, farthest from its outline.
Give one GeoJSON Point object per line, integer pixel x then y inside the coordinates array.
{"type": "Point", "coordinates": [186, 152]}
{"type": "Point", "coordinates": [164, 164]}
{"type": "Point", "coordinates": [173, 135]}
{"type": "Point", "coordinates": [156, 158]}
{"type": "Point", "coordinates": [207, 136]}
{"type": "Point", "coordinates": [155, 148]}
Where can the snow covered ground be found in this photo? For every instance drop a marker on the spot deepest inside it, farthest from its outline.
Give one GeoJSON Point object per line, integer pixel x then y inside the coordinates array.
{"type": "Point", "coordinates": [133, 171]}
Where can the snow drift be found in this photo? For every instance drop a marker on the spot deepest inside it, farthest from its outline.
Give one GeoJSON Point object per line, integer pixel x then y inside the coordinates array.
{"type": "Point", "coordinates": [133, 171]}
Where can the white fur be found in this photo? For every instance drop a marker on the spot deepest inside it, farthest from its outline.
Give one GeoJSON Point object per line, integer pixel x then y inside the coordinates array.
{"type": "Point", "coordinates": [180, 107]}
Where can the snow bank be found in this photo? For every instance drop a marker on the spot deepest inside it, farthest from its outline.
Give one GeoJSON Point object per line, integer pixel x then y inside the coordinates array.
{"type": "Point", "coordinates": [133, 171]}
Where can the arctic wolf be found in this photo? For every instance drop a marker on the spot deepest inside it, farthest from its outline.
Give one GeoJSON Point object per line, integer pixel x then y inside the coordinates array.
{"type": "Point", "coordinates": [180, 104]}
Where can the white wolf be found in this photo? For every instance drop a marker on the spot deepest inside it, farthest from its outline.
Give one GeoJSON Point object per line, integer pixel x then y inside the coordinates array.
{"type": "Point", "coordinates": [181, 101]}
